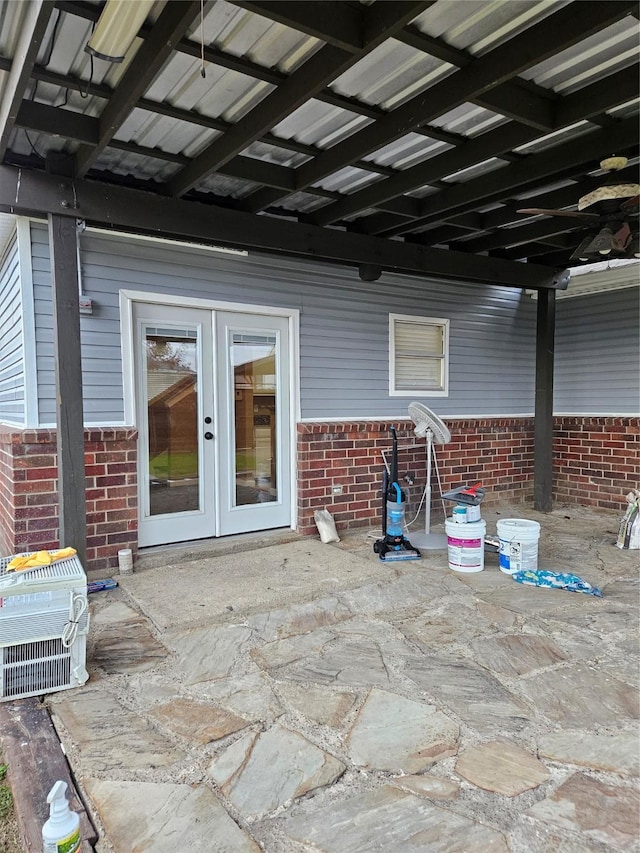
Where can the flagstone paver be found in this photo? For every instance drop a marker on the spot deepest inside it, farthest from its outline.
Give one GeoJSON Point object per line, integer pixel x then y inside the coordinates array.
{"type": "Point", "coordinates": [445, 624]}
{"type": "Point", "coordinates": [123, 642]}
{"type": "Point", "coordinates": [353, 653]}
{"type": "Point", "coordinates": [617, 753]}
{"type": "Point", "coordinates": [198, 722]}
{"type": "Point", "coordinates": [472, 693]}
{"type": "Point", "coordinates": [516, 654]}
{"type": "Point", "coordinates": [501, 767]}
{"type": "Point", "coordinates": [581, 696]}
{"type": "Point", "coordinates": [394, 733]}
{"type": "Point", "coordinates": [325, 706]}
{"type": "Point", "coordinates": [605, 813]}
{"type": "Point", "coordinates": [152, 817]}
{"type": "Point", "coordinates": [261, 772]}
{"type": "Point", "coordinates": [109, 735]}
{"type": "Point", "coordinates": [206, 654]}
{"type": "Point", "coordinates": [403, 593]}
{"type": "Point", "coordinates": [432, 787]}
{"type": "Point", "coordinates": [390, 819]}
{"type": "Point", "coordinates": [289, 697]}
{"type": "Point", "coordinates": [299, 618]}
{"type": "Point", "coordinates": [250, 695]}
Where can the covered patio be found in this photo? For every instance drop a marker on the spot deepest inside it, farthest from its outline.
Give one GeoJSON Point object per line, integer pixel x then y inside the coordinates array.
{"type": "Point", "coordinates": [351, 706]}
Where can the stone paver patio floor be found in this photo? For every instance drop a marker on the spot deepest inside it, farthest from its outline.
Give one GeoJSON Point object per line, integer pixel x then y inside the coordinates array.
{"type": "Point", "coordinates": [398, 707]}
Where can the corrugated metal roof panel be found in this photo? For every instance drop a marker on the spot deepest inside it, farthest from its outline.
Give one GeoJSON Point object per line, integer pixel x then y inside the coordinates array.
{"type": "Point", "coordinates": [11, 17]}
{"type": "Point", "coordinates": [558, 136]}
{"type": "Point", "coordinates": [316, 123]}
{"type": "Point", "coordinates": [302, 202]}
{"type": "Point", "coordinates": [265, 42]}
{"type": "Point", "coordinates": [273, 154]}
{"type": "Point", "coordinates": [475, 171]}
{"type": "Point", "coordinates": [469, 120]}
{"type": "Point", "coordinates": [391, 74]}
{"type": "Point", "coordinates": [609, 50]}
{"type": "Point", "coordinates": [348, 180]}
{"type": "Point", "coordinates": [479, 26]}
{"type": "Point", "coordinates": [141, 167]}
{"type": "Point", "coordinates": [225, 186]}
{"type": "Point", "coordinates": [407, 151]}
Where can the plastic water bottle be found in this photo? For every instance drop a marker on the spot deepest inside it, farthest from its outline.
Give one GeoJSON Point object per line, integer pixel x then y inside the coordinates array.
{"type": "Point", "coordinates": [61, 833]}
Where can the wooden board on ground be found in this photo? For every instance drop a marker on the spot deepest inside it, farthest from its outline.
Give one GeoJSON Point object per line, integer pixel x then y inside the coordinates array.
{"type": "Point", "coordinates": [35, 758]}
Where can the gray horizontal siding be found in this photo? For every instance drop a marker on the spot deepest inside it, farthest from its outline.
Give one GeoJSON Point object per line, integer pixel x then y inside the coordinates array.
{"type": "Point", "coordinates": [12, 380]}
{"type": "Point", "coordinates": [344, 364]}
{"type": "Point", "coordinates": [598, 353]}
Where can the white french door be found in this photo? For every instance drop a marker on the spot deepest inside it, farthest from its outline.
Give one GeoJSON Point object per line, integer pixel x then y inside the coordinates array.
{"type": "Point", "coordinates": [213, 402]}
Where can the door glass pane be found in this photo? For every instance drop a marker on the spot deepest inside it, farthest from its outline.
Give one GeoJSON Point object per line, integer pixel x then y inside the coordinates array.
{"type": "Point", "coordinates": [172, 418]}
{"type": "Point", "coordinates": [253, 358]}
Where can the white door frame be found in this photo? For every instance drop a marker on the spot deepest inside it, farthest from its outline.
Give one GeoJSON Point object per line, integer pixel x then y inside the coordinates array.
{"type": "Point", "coordinates": [292, 315]}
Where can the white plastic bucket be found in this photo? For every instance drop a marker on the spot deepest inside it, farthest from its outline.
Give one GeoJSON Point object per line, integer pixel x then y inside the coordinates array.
{"type": "Point", "coordinates": [518, 544]}
{"type": "Point", "coordinates": [465, 545]}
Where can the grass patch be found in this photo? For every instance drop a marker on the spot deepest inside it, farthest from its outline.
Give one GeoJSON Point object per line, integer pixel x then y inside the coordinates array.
{"type": "Point", "coordinates": [10, 841]}
{"type": "Point", "coordinates": [174, 466]}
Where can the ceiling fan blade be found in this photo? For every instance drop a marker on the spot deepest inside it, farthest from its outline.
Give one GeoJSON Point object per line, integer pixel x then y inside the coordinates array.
{"type": "Point", "coordinates": [569, 214]}
{"type": "Point", "coordinates": [631, 204]}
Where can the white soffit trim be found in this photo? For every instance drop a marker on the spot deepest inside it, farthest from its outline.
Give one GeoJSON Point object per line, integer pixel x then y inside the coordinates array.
{"type": "Point", "coordinates": [599, 278]}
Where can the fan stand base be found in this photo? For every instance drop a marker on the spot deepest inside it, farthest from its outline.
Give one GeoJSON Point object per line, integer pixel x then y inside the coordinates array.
{"type": "Point", "coordinates": [429, 541]}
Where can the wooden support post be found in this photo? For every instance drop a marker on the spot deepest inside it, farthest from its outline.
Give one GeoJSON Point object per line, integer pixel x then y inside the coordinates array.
{"type": "Point", "coordinates": [68, 372]}
{"type": "Point", "coordinates": [543, 440]}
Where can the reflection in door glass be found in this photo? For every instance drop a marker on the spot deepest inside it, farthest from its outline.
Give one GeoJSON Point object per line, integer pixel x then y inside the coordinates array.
{"type": "Point", "coordinates": [172, 418]}
{"type": "Point", "coordinates": [253, 358]}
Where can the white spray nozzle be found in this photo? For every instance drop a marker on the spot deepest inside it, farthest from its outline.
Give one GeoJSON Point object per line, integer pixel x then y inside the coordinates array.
{"type": "Point", "coordinates": [57, 800]}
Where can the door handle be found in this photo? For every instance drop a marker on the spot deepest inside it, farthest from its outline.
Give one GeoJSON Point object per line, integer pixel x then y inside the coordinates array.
{"type": "Point", "coordinates": [208, 436]}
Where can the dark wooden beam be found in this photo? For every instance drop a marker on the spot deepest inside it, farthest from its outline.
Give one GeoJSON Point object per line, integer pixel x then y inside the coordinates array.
{"type": "Point", "coordinates": [83, 128]}
{"type": "Point", "coordinates": [190, 116]}
{"type": "Point", "coordinates": [568, 160]}
{"type": "Point", "coordinates": [242, 65]}
{"type": "Point", "coordinates": [142, 70]}
{"type": "Point", "coordinates": [504, 238]}
{"type": "Point", "coordinates": [590, 101]}
{"type": "Point", "coordinates": [489, 144]}
{"type": "Point", "coordinates": [312, 77]}
{"type": "Point", "coordinates": [338, 24]}
{"type": "Point", "coordinates": [555, 33]}
{"type": "Point", "coordinates": [543, 428]}
{"type": "Point", "coordinates": [63, 248]}
{"type": "Point", "coordinates": [620, 88]}
{"type": "Point", "coordinates": [29, 192]}
{"type": "Point", "coordinates": [516, 99]}
{"type": "Point", "coordinates": [565, 243]}
{"type": "Point", "coordinates": [32, 32]}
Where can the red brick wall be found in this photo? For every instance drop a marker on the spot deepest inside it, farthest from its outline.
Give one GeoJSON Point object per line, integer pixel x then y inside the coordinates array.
{"type": "Point", "coordinates": [596, 460]}
{"type": "Point", "coordinates": [29, 499]}
{"type": "Point", "coordinates": [497, 452]}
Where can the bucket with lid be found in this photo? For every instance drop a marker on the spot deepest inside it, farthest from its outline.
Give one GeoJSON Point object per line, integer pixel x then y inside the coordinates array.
{"type": "Point", "coordinates": [465, 545]}
{"type": "Point", "coordinates": [518, 544]}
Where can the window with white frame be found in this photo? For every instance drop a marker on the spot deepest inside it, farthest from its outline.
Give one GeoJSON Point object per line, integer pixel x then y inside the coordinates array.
{"type": "Point", "coordinates": [418, 356]}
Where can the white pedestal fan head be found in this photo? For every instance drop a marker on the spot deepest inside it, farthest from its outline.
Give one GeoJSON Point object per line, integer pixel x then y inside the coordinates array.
{"type": "Point", "coordinates": [425, 420]}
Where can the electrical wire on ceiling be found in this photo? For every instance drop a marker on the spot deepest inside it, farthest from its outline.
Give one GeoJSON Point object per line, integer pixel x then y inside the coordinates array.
{"type": "Point", "coordinates": [203, 73]}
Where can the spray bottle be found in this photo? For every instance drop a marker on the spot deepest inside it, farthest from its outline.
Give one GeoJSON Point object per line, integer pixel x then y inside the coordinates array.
{"type": "Point", "coordinates": [61, 833]}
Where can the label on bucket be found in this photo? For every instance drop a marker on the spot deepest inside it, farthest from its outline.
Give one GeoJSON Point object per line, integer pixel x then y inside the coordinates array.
{"type": "Point", "coordinates": [464, 553]}
{"type": "Point", "coordinates": [516, 556]}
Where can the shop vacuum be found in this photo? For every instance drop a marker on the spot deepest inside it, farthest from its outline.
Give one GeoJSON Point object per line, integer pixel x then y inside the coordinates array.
{"type": "Point", "coordinates": [393, 546]}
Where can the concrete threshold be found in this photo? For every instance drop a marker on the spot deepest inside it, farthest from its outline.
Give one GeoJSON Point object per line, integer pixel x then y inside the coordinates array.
{"type": "Point", "coordinates": [185, 552]}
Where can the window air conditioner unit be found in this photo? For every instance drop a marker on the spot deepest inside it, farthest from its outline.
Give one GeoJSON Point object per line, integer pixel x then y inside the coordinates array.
{"type": "Point", "coordinates": [44, 621]}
